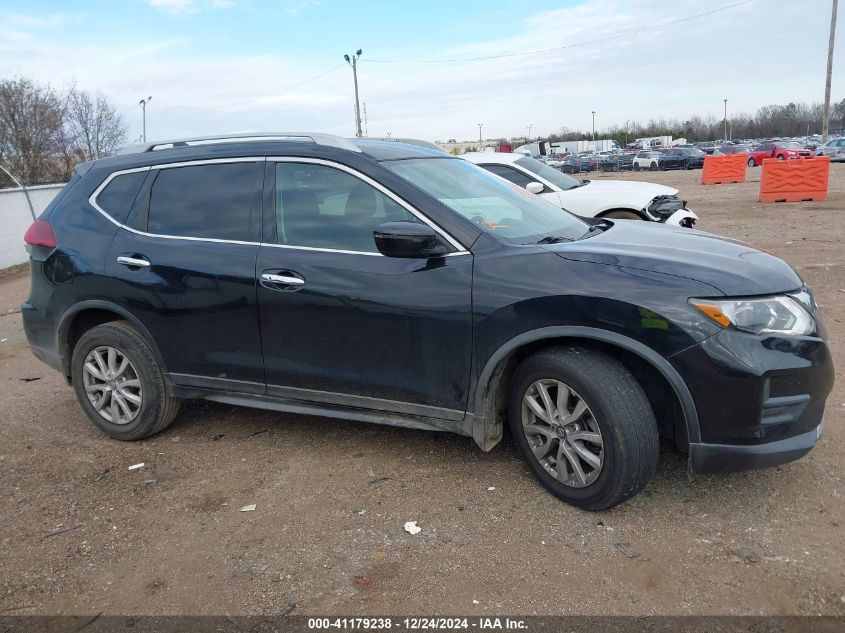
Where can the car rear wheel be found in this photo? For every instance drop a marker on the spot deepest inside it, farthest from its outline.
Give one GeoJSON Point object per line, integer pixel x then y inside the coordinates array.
{"type": "Point", "coordinates": [654, 167]}
{"type": "Point", "coordinates": [119, 383]}
{"type": "Point", "coordinates": [584, 426]}
{"type": "Point", "coordinates": [687, 165]}
{"type": "Point", "coordinates": [636, 167]}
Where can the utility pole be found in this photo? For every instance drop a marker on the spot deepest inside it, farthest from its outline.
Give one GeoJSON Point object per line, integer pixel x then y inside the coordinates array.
{"type": "Point", "coordinates": [594, 125]}
{"type": "Point", "coordinates": [627, 124]}
{"type": "Point", "coordinates": [726, 120]}
{"type": "Point", "coordinates": [480, 125]}
{"type": "Point", "coordinates": [529, 131]}
{"type": "Point", "coordinates": [826, 117]}
{"type": "Point", "coordinates": [143, 103]}
{"type": "Point", "coordinates": [353, 61]}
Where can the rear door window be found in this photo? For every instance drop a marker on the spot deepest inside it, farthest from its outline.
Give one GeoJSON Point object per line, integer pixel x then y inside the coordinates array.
{"type": "Point", "coordinates": [205, 201]}
{"type": "Point", "coordinates": [509, 173]}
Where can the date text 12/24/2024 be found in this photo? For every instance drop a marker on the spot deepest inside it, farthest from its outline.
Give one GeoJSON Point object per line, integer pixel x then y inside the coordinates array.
{"type": "Point", "coordinates": [417, 624]}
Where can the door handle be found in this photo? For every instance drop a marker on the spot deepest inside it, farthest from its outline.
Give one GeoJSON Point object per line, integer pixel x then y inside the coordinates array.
{"type": "Point", "coordinates": [133, 262]}
{"type": "Point", "coordinates": [286, 280]}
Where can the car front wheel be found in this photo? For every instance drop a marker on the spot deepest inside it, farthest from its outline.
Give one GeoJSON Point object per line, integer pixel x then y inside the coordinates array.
{"type": "Point", "coordinates": [584, 426]}
{"type": "Point", "coordinates": [636, 167]}
{"type": "Point", "coordinates": [119, 383]}
{"type": "Point", "coordinates": [751, 162]}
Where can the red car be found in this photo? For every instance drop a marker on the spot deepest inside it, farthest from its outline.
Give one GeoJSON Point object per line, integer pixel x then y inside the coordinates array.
{"type": "Point", "coordinates": [776, 149]}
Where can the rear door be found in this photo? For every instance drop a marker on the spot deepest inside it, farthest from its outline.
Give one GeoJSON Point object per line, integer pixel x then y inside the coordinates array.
{"type": "Point", "coordinates": [343, 324]}
{"type": "Point", "coordinates": [184, 264]}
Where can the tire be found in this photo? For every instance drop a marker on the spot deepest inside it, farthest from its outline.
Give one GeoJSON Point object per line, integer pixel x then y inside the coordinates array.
{"type": "Point", "coordinates": [653, 167]}
{"type": "Point", "coordinates": [781, 157]}
{"type": "Point", "coordinates": [636, 167]}
{"type": "Point", "coordinates": [622, 214]}
{"type": "Point", "coordinates": [687, 165]}
{"type": "Point", "coordinates": [155, 408]}
{"type": "Point", "coordinates": [616, 408]}
{"type": "Point", "coordinates": [751, 162]}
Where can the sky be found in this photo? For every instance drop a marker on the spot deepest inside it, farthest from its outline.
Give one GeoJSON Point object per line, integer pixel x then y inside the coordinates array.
{"type": "Point", "coordinates": [225, 66]}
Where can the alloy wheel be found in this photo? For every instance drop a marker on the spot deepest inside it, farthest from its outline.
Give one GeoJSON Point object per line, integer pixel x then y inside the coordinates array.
{"type": "Point", "coordinates": [562, 433]}
{"type": "Point", "coordinates": [112, 385]}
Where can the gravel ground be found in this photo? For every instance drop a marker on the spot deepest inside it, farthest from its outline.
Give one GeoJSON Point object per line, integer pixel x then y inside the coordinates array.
{"type": "Point", "coordinates": [83, 534]}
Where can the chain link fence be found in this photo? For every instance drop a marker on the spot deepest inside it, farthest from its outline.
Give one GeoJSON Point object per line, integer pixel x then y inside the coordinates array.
{"type": "Point", "coordinates": [15, 218]}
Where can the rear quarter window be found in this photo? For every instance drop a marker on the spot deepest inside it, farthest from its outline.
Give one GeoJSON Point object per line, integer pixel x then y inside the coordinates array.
{"type": "Point", "coordinates": [117, 197]}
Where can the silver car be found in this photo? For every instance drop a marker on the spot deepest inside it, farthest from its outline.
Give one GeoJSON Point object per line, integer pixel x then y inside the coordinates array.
{"type": "Point", "coordinates": [835, 148]}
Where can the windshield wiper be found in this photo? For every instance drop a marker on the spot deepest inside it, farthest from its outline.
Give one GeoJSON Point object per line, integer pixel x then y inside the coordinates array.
{"type": "Point", "coordinates": [554, 239]}
{"type": "Point", "coordinates": [599, 227]}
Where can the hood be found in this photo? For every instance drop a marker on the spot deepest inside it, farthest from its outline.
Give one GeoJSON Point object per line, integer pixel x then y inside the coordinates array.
{"type": "Point", "coordinates": [618, 192]}
{"type": "Point", "coordinates": [732, 267]}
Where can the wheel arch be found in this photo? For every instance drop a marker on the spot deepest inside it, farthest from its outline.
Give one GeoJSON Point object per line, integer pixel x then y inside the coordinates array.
{"type": "Point", "coordinates": [490, 393]}
{"type": "Point", "coordinates": [606, 212]}
{"type": "Point", "coordinates": [83, 316]}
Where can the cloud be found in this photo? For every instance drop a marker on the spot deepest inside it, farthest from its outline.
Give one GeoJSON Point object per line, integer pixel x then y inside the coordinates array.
{"type": "Point", "coordinates": [678, 71]}
{"type": "Point", "coordinates": [24, 21]}
{"type": "Point", "coordinates": [189, 7]}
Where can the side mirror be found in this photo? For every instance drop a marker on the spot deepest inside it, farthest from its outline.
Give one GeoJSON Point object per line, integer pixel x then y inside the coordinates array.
{"type": "Point", "coordinates": [406, 239]}
{"type": "Point", "coordinates": [535, 187]}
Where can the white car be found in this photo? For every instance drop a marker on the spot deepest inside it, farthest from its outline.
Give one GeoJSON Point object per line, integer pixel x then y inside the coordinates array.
{"type": "Point", "coordinates": [618, 199]}
{"type": "Point", "coordinates": [646, 159]}
{"type": "Point", "coordinates": [834, 148]}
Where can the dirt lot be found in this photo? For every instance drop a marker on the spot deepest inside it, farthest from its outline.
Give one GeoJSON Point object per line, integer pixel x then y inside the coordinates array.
{"type": "Point", "coordinates": [81, 533]}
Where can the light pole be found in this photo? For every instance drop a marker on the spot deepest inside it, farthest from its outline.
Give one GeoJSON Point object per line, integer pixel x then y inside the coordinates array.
{"type": "Point", "coordinates": [594, 125]}
{"type": "Point", "coordinates": [826, 113]}
{"type": "Point", "coordinates": [353, 61]}
{"type": "Point", "coordinates": [726, 120]}
{"type": "Point", "coordinates": [143, 103]}
{"type": "Point", "coordinates": [388, 135]}
{"type": "Point", "coordinates": [529, 131]}
{"type": "Point", "coordinates": [480, 125]}
{"type": "Point", "coordinates": [627, 124]}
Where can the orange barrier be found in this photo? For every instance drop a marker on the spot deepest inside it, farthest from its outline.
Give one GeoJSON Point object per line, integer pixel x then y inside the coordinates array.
{"type": "Point", "coordinates": [795, 180]}
{"type": "Point", "coordinates": [719, 170]}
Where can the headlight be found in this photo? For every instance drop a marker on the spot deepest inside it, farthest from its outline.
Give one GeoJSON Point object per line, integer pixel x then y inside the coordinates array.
{"type": "Point", "coordinates": [665, 205]}
{"type": "Point", "coordinates": [772, 315]}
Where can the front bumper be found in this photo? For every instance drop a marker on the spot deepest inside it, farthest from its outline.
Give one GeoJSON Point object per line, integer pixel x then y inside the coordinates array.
{"type": "Point", "coordinates": [721, 458]}
{"type": "Point", "coordinates": [760, 398]}
{"type": "Point", "coordinates": [684, 217]}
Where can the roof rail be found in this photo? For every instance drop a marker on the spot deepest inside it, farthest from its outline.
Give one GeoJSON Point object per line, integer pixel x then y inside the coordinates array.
{"type": "Point", "coordinates": [409, 141]}
{"type": "Point", "coordinates": [318, 138]}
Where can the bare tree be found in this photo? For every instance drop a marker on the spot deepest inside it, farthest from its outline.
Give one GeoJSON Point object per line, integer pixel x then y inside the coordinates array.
{"type": "Point", "coordinates": [94, 124]}
{"type": "Point", "coordinates": [30, 120]}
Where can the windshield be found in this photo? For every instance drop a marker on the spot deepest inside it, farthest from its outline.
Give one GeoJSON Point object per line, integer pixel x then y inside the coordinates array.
{"type": "Point", "coordinates": [554, 176]}
{"type": "Point", "coordinates": [505, 210]}
{"type": "Point", "coordinates": [791, 145]}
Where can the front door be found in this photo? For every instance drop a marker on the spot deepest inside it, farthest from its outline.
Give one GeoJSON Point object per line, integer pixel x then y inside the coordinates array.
{"type": "Point", "coordinates": [343, 324]}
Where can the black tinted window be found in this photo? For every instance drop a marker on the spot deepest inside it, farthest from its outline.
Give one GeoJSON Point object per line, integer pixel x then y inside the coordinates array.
{"type": "Point", "coordinates": [509, 173]}
{"type": "Point", "coordinates": [117, 197]}
{"type": "Point", "coordinates": [210, 201]}
{"type": "Point", "coordinates": [323, 207]}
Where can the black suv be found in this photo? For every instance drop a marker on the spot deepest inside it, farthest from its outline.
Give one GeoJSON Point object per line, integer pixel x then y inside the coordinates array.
{"type": "Point", "coordinates": [390, 282]}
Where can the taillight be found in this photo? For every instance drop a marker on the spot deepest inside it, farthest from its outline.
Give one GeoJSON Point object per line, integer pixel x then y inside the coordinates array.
{"type": "Point", "coordinates": [40, 234]}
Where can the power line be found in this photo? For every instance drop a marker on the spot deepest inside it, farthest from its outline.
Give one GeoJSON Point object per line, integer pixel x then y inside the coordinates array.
{"type": "Point", "coordinates": [559, 48]}
{"type": "Point", "coordinates": [268, 96]}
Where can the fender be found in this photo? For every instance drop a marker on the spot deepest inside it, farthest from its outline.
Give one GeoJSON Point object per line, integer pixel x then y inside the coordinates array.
{"type": "Point", "coordinates": [76, 308]}
{"type": "Point", "coordinates": [486, 435]}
